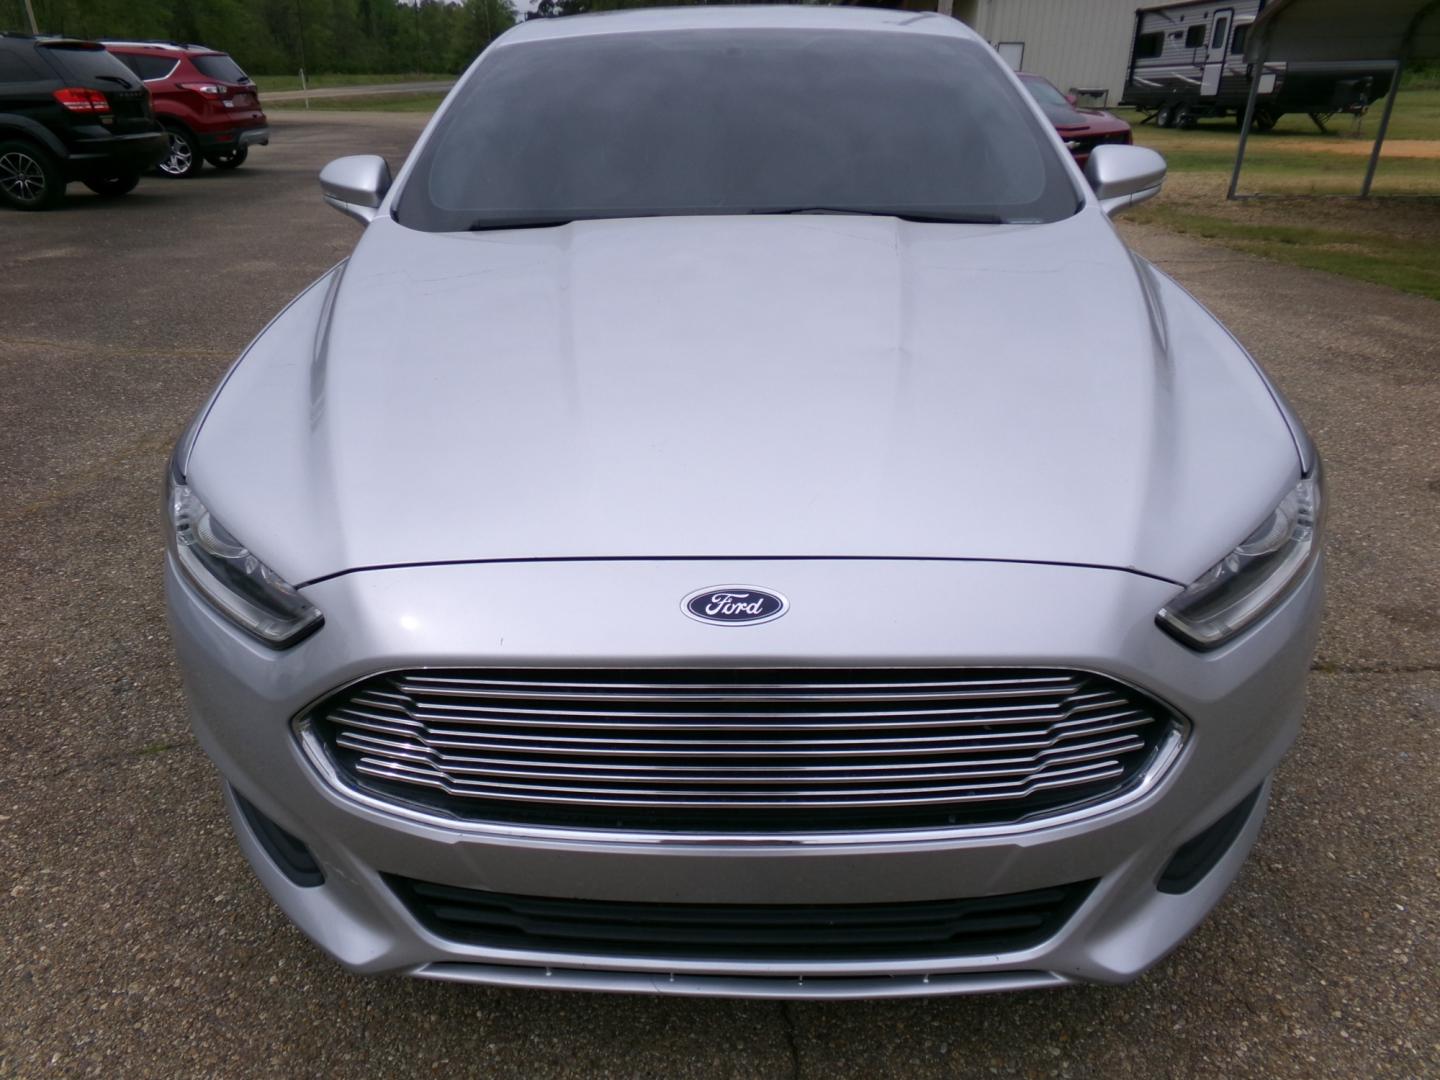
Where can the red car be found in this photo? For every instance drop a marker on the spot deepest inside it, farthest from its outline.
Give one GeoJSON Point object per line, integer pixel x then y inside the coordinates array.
{"type": "Point", "coordinates": [1080, 129]}
{"type": "Point", "coordinates": [209, 107]}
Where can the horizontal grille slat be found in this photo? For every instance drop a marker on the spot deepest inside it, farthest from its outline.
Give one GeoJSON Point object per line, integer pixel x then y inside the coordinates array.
{"type": "Point", "coordinates": [741, 749]}
{"type": "Point", "coordinates": [802, 735]}
{"type": "Point", "coordinates": [925, 746]}
{"type": "Point", "coordinates": [755, 748]}
{"type": "Point", "coordinates": [856, 797]}
{"type": "Point", "coordinates": [609, 716]}
{"type": "Point", "coordinates": [710, 775]}
{"type": "Point", "coordinates": [469, 685]}
{"type": "Point", "coordinates": [770, 722]}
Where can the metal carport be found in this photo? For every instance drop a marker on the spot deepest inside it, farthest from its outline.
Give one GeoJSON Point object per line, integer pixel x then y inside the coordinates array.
{"type": "Point", "coordinates": [1318, 30]}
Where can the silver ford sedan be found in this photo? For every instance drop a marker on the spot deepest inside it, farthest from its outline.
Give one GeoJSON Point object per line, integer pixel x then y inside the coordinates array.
{"type": "Point", "coordinates": [742, 523]}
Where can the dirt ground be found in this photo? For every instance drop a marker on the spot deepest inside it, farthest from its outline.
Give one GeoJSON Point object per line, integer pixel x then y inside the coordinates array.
{"type": "Point", "coordinates": [1392, 148]}
{"type": "Point", "coordinates": [1403, 218]}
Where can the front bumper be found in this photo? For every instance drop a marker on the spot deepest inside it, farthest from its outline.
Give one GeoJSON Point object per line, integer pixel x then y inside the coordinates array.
{"type": "Point", "coordinates": [1243, 702]}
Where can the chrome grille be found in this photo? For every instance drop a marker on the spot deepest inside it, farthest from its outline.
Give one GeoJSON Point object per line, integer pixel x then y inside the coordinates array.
{"type": "Point", "coordinates": [741, 749]}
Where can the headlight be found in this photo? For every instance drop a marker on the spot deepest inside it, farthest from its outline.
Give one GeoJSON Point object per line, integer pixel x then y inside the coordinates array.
{"type": "Point", "coordinates": [245, 590]}
{"type": "Point", "coordinates": [1248, 582]}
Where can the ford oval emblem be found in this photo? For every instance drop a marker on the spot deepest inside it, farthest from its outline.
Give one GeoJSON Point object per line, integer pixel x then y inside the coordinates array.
{"type": "Point", "coordinates": [734, 605]}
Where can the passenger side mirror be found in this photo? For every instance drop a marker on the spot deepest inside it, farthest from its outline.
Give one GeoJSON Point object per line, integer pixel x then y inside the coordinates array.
{"type": "Point", "coordinates": [1124, 176]}
{"type": "Point", "coordinates": [356, 185]}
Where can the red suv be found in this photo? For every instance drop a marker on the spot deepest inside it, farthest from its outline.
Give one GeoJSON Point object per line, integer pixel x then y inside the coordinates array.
{"type": "Point", "coordinates": [207, 104]}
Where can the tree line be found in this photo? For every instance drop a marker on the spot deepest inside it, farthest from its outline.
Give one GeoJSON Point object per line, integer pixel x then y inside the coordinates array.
{"type": "Point", "coordinates": [579, 7]}
{"type": "Point", "coordinates": [272, 37]}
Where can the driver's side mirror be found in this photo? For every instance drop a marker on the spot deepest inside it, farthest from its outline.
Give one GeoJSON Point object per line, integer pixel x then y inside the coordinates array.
{"type": "Point", "coordinates": [356, 185]}
{"type": "Point", "coordinates": [1124, 176]}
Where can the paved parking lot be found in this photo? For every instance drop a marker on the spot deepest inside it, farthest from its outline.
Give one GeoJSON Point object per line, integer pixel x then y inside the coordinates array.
{"type": "Point", "coordinates": [136, 942]}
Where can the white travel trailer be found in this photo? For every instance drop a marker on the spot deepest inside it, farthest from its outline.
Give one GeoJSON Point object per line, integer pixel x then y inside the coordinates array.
{"type": "Point", "coordinates": [1187, 62]}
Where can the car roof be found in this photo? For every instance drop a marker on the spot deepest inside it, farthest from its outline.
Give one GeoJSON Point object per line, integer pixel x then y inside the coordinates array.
{"type": "Point", "coordinates": [758, 17]}
{"type": "Point", "coordinates": [170, 47]}
{"type": "Point", "coordinates": [17, 38]}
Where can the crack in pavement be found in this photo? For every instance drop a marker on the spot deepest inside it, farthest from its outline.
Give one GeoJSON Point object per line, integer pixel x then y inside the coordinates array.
{"type": "Point", "coordinates": [791, 1037]}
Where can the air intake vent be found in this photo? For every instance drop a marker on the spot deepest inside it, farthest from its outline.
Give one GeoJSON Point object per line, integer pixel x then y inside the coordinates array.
{"type": "Point", "coordinates": [940, 928]}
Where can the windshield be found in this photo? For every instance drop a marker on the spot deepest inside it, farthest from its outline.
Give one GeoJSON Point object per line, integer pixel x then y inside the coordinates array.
{"type": "Point", "coordinates": [735, 122]}
{"type": "Point", "coordinates": [219, 66]}
{"type": "Point", "coordinates": [1044, 93]}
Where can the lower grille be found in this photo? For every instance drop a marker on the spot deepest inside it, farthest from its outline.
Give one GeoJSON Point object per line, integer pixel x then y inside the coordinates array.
{"type": "Point", "coordinates": [741, 750]}
{"type": "Point", "coordinates": [939, 928]}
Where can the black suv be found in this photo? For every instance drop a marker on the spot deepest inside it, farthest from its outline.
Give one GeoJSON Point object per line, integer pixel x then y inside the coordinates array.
{"type": "Point", "coordinates": [70, 111]}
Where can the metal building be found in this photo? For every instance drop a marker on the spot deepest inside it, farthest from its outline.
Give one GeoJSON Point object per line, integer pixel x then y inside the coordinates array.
{"type": "Point", "coordinates": [1076, 44]}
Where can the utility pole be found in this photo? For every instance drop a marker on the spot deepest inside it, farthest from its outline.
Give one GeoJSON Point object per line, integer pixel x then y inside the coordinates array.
{"type": "Point", "coordinates": [30, 11]}
{"type": "Point", "coordinates": [300, 26]}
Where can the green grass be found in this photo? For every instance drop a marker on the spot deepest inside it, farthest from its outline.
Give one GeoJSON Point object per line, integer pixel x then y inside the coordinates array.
{"type": "Point", "coordinates": [1322, 173]}
{"type": "Point", "coordinates": [276, 83]}
{"type": "Point", "coordinates": [1416, 116]}
{"type": "Point", "coordinates": [365, 103]}
{"type": "Point", "coordinates": [1390, 241]}
{"type": "Point", "coordinates": [1421, 75]}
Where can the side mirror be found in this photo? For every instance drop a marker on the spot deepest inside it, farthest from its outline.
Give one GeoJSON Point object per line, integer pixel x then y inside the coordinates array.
{"type": "Point", "coordinates": [1124, 176]}
{"type": "Point", "coordinates": [1072, 99]}
{"type": "Point", "coordinates": [356, 185]}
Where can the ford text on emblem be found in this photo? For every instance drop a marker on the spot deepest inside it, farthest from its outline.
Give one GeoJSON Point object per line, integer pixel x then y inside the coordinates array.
{"type": "Point", "coordinates": [735, 605]}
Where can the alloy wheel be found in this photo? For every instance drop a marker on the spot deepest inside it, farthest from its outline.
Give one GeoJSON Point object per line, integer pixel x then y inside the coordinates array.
{"type": "Point", "coordinates": [181, 157]}
{"type": "Point", "coordinates": [21, 176]}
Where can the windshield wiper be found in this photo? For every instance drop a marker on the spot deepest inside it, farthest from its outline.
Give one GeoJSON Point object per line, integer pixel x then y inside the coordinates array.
{"type": "Point", "coordinates": [494, 224]}
{"type": "Point", "coordinates": [116, 78]}
{"type": "Point", "coordinates": [941, 219]}
{"type": "Point", "coordinates": [498, 224]}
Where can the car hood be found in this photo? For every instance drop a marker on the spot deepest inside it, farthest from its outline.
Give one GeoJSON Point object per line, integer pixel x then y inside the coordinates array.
{"type": "Point", "coordinates": [1069, 118]}
{"type": "Point", "coordinates": [816, 385]}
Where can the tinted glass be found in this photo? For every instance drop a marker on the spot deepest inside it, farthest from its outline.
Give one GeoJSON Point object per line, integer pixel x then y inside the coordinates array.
{"type": "Point", "coordinates": [87, 64]}
{"type": "Point", "coordinates": [1237, 41]}
{"type": "Point", "coordinates": [1148, 46]}
{"type": "Point", "coordinates": [148, 67]}
{"type": "Point", "coordinates": [219, 66]}
{"type": "Point", "coordinates": [16, 67]}
{"type": "Point", "coordinates": [733, 122]}
{"type": "Point", "coordinates": [1217, 39]}
{"type": "Point", "coordinates": [1195, 36]}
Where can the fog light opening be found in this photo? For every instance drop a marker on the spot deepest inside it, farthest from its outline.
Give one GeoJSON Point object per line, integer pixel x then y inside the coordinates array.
{"type": "Point", "coordinates": [1197, 856]}
{"type": "Point", "coordinates": [289, 854]}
